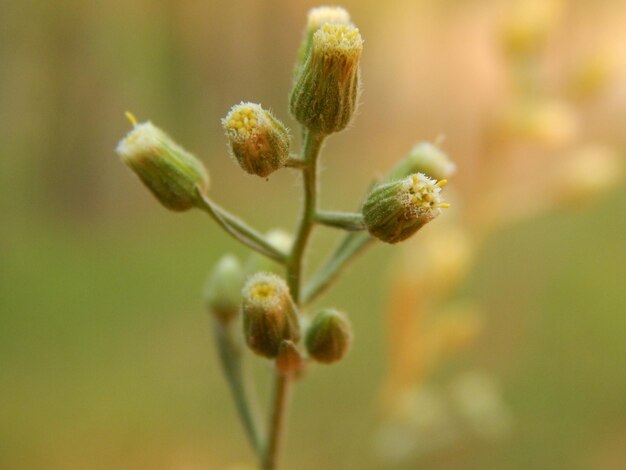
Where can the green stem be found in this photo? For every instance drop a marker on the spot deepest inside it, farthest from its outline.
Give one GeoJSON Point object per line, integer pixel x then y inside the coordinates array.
{"type": "Point", "coordinates": [242, 232]}
{"type": "Point", "coordinates": [312, 145]}
{"type": "Point", "coordinates": [230, 359]}
{"type": "Point", "coordinates": [343, 220]}
{"type": "Point", "coordinates": [294, 161]}
{"type": "Point", "coordinates": [348, 249]}
{"type": "Point", "coordinates": [277, 420]}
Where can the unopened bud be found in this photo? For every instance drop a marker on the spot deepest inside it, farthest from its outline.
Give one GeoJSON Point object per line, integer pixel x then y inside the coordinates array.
{"type": "Point", "coordinates": [315, 19]}
{"type": "Point", "coordinates": [329, 336]}
{"type": "Point", "coordinates": [269, 314]}
{"type": "Point", "coordinates": [171, 173]}
{"type": "Point", "coordinates": [325, 95]}
{"type": "Point", "coordinates": [223, 292]}
{"type": "Point", "coordinates": [394, 211]}
{"type": "Point", "coordinates": [424, 158]}
{"type": "Point", "coordinates": [289, 360]}
{"type": "Point", "coordinates": [258, 141]}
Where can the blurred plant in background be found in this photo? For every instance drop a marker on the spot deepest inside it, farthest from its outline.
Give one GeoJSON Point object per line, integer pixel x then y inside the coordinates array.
{"type": "Point", "coordinates": [533, 160]}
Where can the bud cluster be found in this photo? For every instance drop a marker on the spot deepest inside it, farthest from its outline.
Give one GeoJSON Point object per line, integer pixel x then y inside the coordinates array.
{"type": "Point", "coordinates": [250, 301]}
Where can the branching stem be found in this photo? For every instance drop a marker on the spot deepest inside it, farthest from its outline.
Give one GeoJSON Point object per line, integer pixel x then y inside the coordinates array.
{"type": "Point", "coordinates": [312, 145]}
{"type": "Point", "coordinates": [352, 245]}
{"type": "Point", "coordinates": [229, 354]}
{"type": "Point", "coordinates": [242, 232]}
{"type": "Point", "coordinates": [343, 220]}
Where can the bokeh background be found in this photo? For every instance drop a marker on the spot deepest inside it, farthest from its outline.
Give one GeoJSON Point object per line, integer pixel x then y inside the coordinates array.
{"type": "Point", "coordinates": [106, 358]}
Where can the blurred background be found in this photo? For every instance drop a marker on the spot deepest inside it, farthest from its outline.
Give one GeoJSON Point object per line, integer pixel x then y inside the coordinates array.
{"type": "Point", "coordinates": [516, 361]}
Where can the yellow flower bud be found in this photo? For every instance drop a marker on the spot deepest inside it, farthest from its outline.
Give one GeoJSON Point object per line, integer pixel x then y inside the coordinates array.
{"type": "Point", "coordinates": [258, 141]}
{"type": "Point", "coordinates": [269, 314]}
{"type": "Point", "coordinates": [325, 94]}
{"type": "Point", "coordinates": [394, 211]}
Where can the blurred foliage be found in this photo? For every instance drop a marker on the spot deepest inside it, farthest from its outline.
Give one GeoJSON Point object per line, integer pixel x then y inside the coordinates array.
{"type": "Point", "coordinates": [105, 353]}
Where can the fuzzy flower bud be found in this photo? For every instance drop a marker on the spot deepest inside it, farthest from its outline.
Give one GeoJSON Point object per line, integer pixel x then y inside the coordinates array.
{"type": "Point", "coordinates": [424, 158]}
{"type": "Point", "coordinates": [329, 336]}
{"type": "Point", "coordinates": [222, 296]}
{"type": "Point", "coordinates": [269, 314]}
{"type": "Point", "coordinates": [326, 92]}
{"type": "Point", "coordinates": [171, 173]}
{"type": "Point", "coordinates": [394, 211]}
{"type": "Point", "coordinates": [315, 19]}
{"type": "Point", "coordinates": [258, 141]}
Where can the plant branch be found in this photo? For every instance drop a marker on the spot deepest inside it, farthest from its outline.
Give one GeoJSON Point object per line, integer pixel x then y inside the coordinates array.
{"type": "Point", "coordinates": [294, 161]}
{"type": "Point", "coordinates": [277, 419]}
{"type": "Point", "coordinates": [241, 231]}
{"type": "Point", "coordinates": [350, 221]}
{"type": "Point", "coordinates": [230, 358]}
{"type": "Point", "coordinates": [352, 245]}
{"type": "Point", "coordinates": [312, 145]}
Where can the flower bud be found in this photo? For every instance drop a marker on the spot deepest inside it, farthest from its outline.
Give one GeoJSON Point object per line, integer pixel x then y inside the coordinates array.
{"type": "Point", "coordinates": [289, 360]}
{"type": "Point", "coordinates": [329, 336]}
{"type": "Point", "coordinates": [315, 19]}
{"type": "Point", "coordinates": [171, 173]}
{"type": "Point", "coordinates": [424, 158]}
{"type": "Point", "coordinates": [222, 296]}
{"type": "Point", "coordinates": [258, 141]}
{"type": "Point", "coordinates": [325, 94]}
{"type": "Point", "coordinates": [394, 211]}
{"type": "Point", "coordinates": [269, 314]}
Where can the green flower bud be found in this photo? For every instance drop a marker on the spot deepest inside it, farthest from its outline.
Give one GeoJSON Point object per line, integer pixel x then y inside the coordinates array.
{"type": "Point", "coordinates": [289, 360]}
{"type": "Point", "coordinates": [315, 19]}
{"type": "Point", "coordinates": [394, 211]}
{"type": "Point", "coordinates": [171, 173]}
{"type": "Point", "coordinates": [424, 158]}
{"type": "Point", "coordinates": [222, 296]}
{"type": "Point", "coordinates": [329, 336]}
{"type": "Point", "coordinates": [326, 92]}
{"type": "Point", "coordinates": [258, 141]}
{"type": "Point", "coordinates": [269, 314]}
{"type": "Point", "coordinates": [258, 262]}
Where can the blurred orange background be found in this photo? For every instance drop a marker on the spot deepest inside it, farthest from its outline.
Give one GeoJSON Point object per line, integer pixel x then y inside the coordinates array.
{"type": "Point", "coordinates": [106, 358]}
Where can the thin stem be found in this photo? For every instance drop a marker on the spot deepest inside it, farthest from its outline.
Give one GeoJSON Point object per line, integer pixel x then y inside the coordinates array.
{"type": "Point", "coordinates": [348, 249]}
{"type": "Point", "coordinates": [279, 409]}
{"type": "Point", "coordinates": [294, 161]}
{"type": "Point", "coordinates": [312, 145]}
{"type": "Point", "coordinates": [344, 220]}
{"type": "Point", "coordinates": [242, 232]}
{"type": "Point", "coordinates": [230, 358]}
